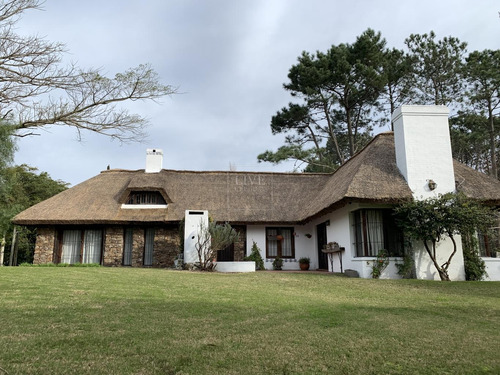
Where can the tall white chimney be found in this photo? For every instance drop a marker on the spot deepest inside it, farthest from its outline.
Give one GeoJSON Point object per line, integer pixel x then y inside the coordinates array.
{"type": "Point", "coordinates": [154, 160]}
{"type": "Point", "coordinates": [423, 149]}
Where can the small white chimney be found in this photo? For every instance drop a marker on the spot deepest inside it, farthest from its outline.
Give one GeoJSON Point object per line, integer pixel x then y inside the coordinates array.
{"type": "Point", "coordinates": [154, 160]}
{"type": "Point", "coordinates": [423, 149]}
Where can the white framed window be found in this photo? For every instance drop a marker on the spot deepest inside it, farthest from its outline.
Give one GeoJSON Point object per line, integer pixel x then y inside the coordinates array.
{"type": "Point", "coordinates": [280, 242]}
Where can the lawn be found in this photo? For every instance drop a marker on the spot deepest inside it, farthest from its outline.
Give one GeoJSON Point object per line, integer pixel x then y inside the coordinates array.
{"type": "Point", "coordinates": [151, 321]}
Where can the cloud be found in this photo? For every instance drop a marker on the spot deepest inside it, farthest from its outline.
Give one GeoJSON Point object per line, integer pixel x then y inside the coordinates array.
{"type": "Point", "coordinates": [230, 60]}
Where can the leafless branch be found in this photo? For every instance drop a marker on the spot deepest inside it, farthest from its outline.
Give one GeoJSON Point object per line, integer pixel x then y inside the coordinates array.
{"type": "Point", "coordinates": [36, 90]}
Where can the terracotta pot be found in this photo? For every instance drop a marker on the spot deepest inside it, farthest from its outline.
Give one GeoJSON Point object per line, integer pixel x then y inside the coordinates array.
{"type": "Point", "coordinates": [304, 266]}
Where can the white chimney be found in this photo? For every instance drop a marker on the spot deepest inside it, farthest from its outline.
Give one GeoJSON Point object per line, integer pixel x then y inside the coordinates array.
{"type": "Point", "coordinates": [154, 160]}
{"type": "Point", "coordinates": [423, 149]}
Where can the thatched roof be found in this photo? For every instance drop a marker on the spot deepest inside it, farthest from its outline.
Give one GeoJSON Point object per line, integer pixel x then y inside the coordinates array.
{"type": "Point", "coordinates": [244, 197]}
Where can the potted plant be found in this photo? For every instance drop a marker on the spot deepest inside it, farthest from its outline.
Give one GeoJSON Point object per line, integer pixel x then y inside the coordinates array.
{"type": "Point", "coordinates": [304, 263]}
{"type": "Point", "coordinates": [278, 264]}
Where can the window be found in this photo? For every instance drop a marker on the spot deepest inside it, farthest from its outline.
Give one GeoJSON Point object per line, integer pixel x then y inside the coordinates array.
{"type": "Point", "coordinates": [489, 244]}
{"type": "Point", "coordinates": [376, 230]}
{"type": "Point", "coordinates": [149, 239]}
{"type": "Point", "coordinates": [80, 246]}
{"type": "Point", "coordinates": [280, 242]}
{"type": "Point", "coordinates": [127, 247]}
{"type": "Point", "coordinates": [146, 197]}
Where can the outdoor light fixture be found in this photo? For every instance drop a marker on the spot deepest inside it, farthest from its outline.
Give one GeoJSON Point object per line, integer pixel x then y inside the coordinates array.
{"type": "Point", "coordinates": [432, 185]}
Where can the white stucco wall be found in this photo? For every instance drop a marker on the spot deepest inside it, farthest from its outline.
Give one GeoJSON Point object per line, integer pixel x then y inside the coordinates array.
{"type": "Point", "coordinates": [423, 149]}
{"type": "Point", "coordinates": [193, 220]}
{"type": "Point", "coordinates": [426, 270]}
{"type": "Point", "coordinates": [341, 230]}
{"type": "Point", "coordinates": [492, 268]}
{"type": "Point", "coordinates": [423, 153]}
{"type": "Point", "coordinates": [304, 246]}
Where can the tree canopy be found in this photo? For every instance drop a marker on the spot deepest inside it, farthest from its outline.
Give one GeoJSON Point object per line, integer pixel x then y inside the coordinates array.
{"type": "Point", "coordinates": [22, 187]}
{"type": "Point", "coordinates": [37, 89]}
{"type": "Point", "coordinates": [342, 95]}
{"type": "Point", "coordinates": [339, 91]}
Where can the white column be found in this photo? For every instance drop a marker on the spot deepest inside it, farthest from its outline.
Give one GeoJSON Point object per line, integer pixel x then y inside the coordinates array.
{"type": "Point", "coordinates": [194, 219]}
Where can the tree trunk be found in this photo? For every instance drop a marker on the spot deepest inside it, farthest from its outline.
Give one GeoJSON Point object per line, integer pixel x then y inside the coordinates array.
{"type": "Point", "coordinates": [2, 250]}
{"type": "Point", "coordinates": [349, 132]}
{"type": "Point", "coordinates": [494, 169]}
{"type": "Point", "coordinates": [443, 273]}
{"type": "Point", "coordinates": [12, 247]}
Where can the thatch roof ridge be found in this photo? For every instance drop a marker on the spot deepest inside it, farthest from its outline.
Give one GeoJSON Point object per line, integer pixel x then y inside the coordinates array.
{"type": "Point", "coordinates": [187, 171]}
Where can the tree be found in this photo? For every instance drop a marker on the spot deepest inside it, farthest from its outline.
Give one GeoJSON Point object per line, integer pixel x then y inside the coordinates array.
{"type": "Point", "coordinates": [435, 219]}
{"type": "Point", "coordinates": [397, 67]}
{"type": "Point", "coordinates": [23, 188]}
{"type": "Point", "coordinates": [339, 91]}
{"type": "Point", "coordinates": [438, 68]}
{"type": "Point", "coordinates": [210, 239]}
{"type": "Point", "coordinates": [36, 90]}
{"type": "Point", "coordinates": [470, 140]}
{"type": "Point", "coordinates": [483, 75]}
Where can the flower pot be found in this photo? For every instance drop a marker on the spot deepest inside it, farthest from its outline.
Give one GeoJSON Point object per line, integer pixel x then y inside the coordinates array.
{"type": "Point", "coordinates": [304, 266]}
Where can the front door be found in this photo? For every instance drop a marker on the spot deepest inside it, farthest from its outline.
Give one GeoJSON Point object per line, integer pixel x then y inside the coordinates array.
{"type": "Point", "coordinates": [322, 257]}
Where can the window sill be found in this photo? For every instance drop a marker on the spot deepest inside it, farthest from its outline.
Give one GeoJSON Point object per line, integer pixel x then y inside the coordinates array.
{"type": "Point", "coordinates": [143, 206]}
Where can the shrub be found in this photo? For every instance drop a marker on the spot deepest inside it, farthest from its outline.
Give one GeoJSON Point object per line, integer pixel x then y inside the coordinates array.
{"type": "Point", "coordinates": [405, 269]}
{"type": "Point", "coordinates": [475, 268]}
{"type": "Point", "coordinates": [210, 239]}
{"type": "Point", "coordinates": [380, 263]}
{"type": "Point", "coordinates": [278, 264]}
{"type": "Point", "coordinates": [256, 257]}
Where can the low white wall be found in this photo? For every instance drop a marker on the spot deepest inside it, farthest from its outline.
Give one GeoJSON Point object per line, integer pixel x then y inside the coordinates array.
{"type": "Point", "coordinates": [493, 268]}
{"type": "Point", "coordinates": [247, 266]}
{"type": "Point", "coordinates": [364, 266]}
{"type": "Point", "coordinates": [426, 270]}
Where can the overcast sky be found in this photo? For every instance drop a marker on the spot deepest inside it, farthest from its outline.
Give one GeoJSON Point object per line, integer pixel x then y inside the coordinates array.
{"type": "Point", "coordinates": [229, 59]}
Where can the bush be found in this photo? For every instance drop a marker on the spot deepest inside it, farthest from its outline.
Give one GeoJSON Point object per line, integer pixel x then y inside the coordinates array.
{"type": "Point", "coordinates": [405, 269]}
{"type": "Point", "coordinates": [475, 268]}
{"type": "Point", "coordinates": [256, 257]}
{"type": "Point", "coordinates": [380, 263]}
{"type": "Point", "coordinates": [277, 264]}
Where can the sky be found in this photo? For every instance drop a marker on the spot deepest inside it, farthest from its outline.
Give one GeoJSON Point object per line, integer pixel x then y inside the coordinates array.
{"type": "Point", "coordinates": [229, 60]}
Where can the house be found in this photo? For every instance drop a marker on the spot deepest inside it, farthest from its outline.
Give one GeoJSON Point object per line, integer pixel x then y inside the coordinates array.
{"type": "Point", "coordinates": [131, 217]}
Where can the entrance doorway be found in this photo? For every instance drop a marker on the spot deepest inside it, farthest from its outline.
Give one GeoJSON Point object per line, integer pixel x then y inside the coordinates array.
{"type": "Point", "coordinates": [321, 236]}
{"type": "Point", "coordinates": [226, 255]}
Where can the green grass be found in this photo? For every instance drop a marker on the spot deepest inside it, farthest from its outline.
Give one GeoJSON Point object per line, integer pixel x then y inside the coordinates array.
{"type": "Point", "coordinates": [150, 321]}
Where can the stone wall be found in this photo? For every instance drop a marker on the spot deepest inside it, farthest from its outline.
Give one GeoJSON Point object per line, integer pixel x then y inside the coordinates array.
{"type": "Point", "coordinates": [44, 247]}
{"type": "Point", "coordinates": [166, 246]}
{"type": "Point", "coordinates": [138, 247]}
{"type": "Point", "coordinates": [113, 246]}
{"type": "Point", "coordinates": [241, 245]}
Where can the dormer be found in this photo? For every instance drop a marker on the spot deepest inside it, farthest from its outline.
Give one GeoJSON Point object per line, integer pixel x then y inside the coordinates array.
{"type": "Point", "coordinates": [145, 192]}
{"type": "Point", "coordinates": [141, 199]}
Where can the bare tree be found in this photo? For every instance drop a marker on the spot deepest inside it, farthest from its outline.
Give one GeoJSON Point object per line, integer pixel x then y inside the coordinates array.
{"type": "Point", "coordinates": [37, 89]}
{"type": "Point", "coordinates": [213, 237]}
